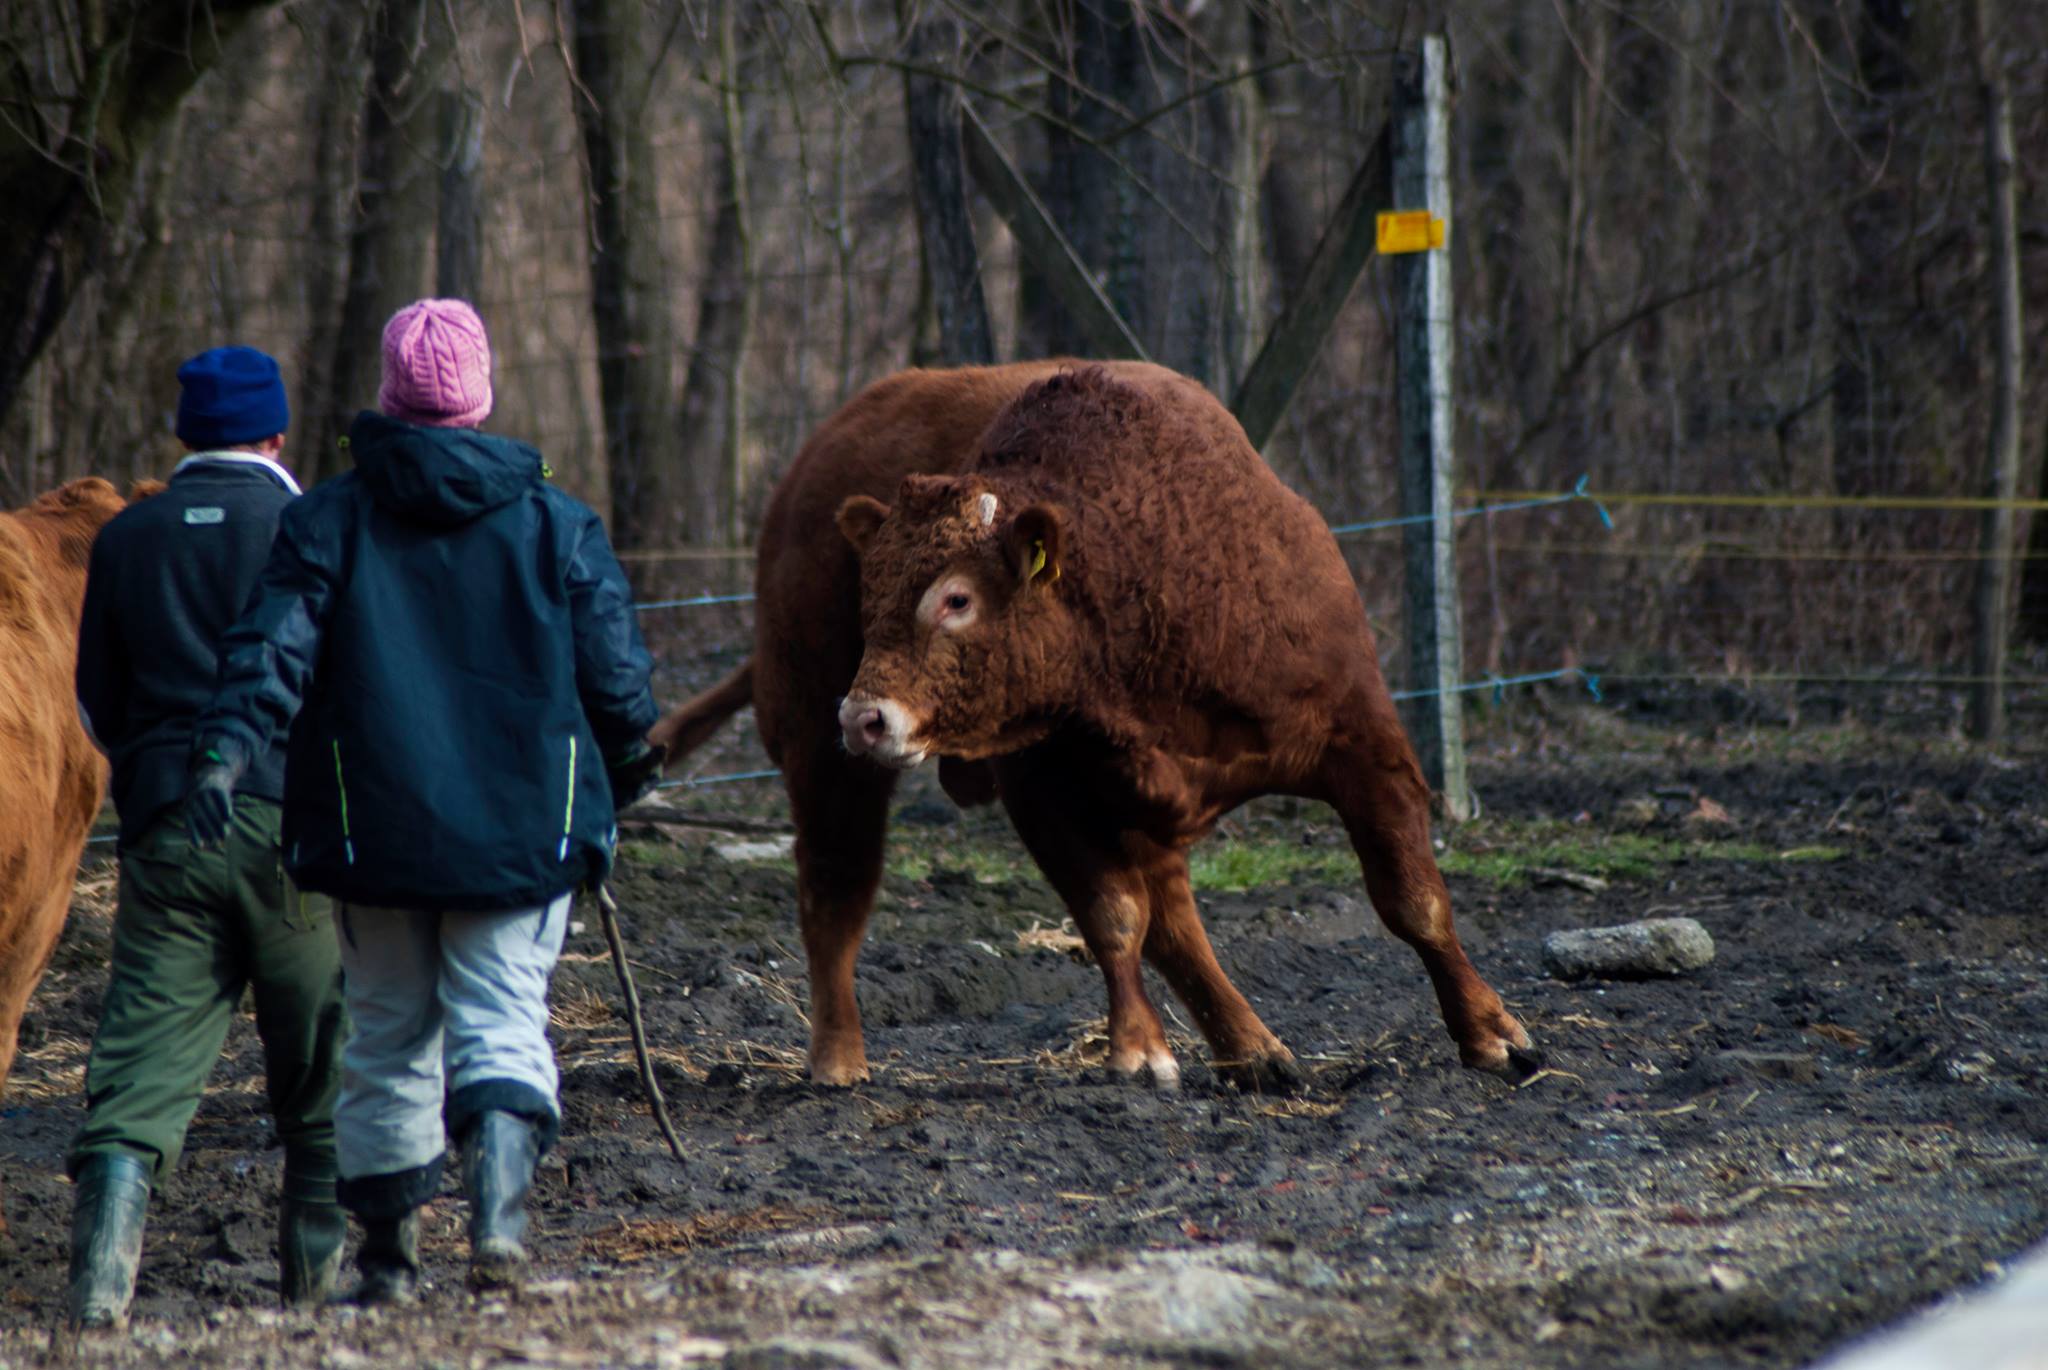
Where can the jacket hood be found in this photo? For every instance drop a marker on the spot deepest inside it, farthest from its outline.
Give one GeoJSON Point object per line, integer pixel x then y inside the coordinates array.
{"type": "Point", "coordinates": [439, 475]}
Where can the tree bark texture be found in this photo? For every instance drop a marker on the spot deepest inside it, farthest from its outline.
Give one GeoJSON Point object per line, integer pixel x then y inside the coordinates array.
{"type": "Point", "coordinates": [939, 185]}
{"type": "Point", "coordinates": [68, 157]}
{"type": "Point", "coordinates": [1152, 181]}
{"type": "Point", "coordinates": [459, 243]}
{"type": "Point", "coordinates": [714, 386]}
{"type": "Point", "coordinates": [628, 274]}
{"type": "Point", "coordinates": [335, 110]}
{"type": "Point", "coordinates": [2002, 464]}
{"type": "Point", "coordinates": [1871, 397]}
{"type": "Point", "coordinates": [391, 238]}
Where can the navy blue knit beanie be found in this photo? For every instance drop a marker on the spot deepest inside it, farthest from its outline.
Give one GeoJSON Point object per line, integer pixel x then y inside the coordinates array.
{"type": "Point", "coordinates": [228, 396]}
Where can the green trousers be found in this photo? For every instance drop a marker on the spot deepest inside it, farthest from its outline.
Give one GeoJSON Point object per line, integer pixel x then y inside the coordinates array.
{"type": "Point", "coordinates": [192, 929]}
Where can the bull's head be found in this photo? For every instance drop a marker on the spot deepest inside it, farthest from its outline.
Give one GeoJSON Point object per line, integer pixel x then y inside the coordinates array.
{"type": "Point", "coordinates": [970, 643]}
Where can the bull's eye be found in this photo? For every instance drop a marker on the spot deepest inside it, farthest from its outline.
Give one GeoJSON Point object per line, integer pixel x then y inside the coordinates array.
{"type": "Point", "coordinates": [948, 605]}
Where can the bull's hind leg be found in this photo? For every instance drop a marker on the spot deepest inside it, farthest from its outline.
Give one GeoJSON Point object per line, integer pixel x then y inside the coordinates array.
{"type": "Point", "coordinates": [1378, 790]}
{"type": "Point", "coordinates": [1111, 904]}
{"type": "Point", "coordinates": [1246, 1052]}
{"type": "Point", "coordinates": [841, 807]}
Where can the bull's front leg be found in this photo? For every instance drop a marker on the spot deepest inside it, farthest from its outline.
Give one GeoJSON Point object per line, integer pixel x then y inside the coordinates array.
{"type": "Point", "coordinates": [1113, 921]}
{"type": "Point", "coordinates": [1246, 1051]}
{"type": "Point", "coordinates": [1107, 895]}
{"type": "Point", "coordinates": [841, 806]}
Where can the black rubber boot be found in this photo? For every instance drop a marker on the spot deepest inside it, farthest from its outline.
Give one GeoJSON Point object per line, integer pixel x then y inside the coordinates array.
{"type": "Point", "coordinates": [311, 1229]}
{"type": "Point", "coordinates": [389, 1260]}
{"type": "Point", "coordinates": [498, 1155]}
{"type": "Point", "coordinates": [106, 1238]}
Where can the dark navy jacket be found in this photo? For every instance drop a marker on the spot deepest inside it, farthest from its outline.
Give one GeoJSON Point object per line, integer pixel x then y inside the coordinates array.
{"type": "Point", "coordinates": [168, 576]}
{"type": "Point", "coordinates": [452, 645]}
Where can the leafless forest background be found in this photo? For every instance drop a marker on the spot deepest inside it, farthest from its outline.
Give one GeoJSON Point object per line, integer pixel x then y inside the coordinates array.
{"type": "Point", "coordinates": [1701, 246]}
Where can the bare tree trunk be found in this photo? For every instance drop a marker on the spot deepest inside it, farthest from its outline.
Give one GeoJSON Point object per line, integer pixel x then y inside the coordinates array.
{"type": "Point", "coordinates": [939, 181]}
{"type": "Point", "coordinates": [2033, 591]}
{"type": "Point", "coordinates": [1286, 220]}
{"type": "Point", "coordinates": [1867, 397]}
{"type": "Point", "coordinates": [733, 121]}
{"type": "Point", "coordinates": [459, 242]}
{"type": "Point", "coordinates": [336, 116]}
{"type": "Point", "coordinates": [397, 189]}
{"type": "Point", "coordinates": [1995, 537]}
{"type": "Point", "coordinates": [1146, 207]}
{"type": "Point", "coordinates": [1096, 53]}
{"type": "Point", "coordinates": [714, 388]}
{"type": "Point", "coordinates": [628, 274]}
{"type": "Point", "coordinates": [122, 294]}
{"type": "Point", "coordinates": [61, 187]}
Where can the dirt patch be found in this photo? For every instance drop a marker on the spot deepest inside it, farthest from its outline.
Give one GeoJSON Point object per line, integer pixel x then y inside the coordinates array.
{"type": "Point", "coordinates": [1841, 1117]}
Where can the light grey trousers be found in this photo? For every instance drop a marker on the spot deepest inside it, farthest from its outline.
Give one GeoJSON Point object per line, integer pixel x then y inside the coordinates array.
{"type": "Point", "coordinates": [444, 1008]}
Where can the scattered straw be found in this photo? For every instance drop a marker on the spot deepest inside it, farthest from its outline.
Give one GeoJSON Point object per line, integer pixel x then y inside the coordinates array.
{"type": "Point", "coordinates": [576, 1007]}
{"type": "Point", "coordinates": [1296, 1108]}
{"type": "Point", "coordinates": [1063, 939]}
{"type": "Point", "coordinates": [1088, 1050]}
{"type": "Point", "coordinates": [1547, 1073]}
{"type": "Point", "coordinates": [640, 1239]}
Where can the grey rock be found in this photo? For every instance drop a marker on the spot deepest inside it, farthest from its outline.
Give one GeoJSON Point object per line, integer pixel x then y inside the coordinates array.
{"type": "Point", "coordinates": [1632, 951]}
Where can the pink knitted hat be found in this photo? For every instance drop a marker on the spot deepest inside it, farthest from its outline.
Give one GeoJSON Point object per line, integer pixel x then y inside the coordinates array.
{"type": "Point", "coordinates": [437, 366]}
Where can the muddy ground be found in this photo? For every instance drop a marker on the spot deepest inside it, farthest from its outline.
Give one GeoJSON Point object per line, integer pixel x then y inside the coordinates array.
{"type": "Point", "coordinates": [1839, 1119]}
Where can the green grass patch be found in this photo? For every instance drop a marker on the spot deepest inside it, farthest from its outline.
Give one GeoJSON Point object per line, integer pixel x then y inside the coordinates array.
{"type": "Point", "coordinates": [662, 854]}
{"type": "Point", "coordinates": [1499, 852]}
{"type": "Point", "coordinates": [988, 865]}
{"type": "Point", "coordinates": [1231, 864]}
{"type": "Point", "coordinates": [1509, 854]}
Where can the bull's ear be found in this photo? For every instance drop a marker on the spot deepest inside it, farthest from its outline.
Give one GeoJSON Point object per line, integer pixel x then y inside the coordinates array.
{"type": "Point", "coordinates": [859, 517]}
{"type": "Point", "coordinates": [1034, 540]}
{"type": "Point", "coordinates": [143, 489]}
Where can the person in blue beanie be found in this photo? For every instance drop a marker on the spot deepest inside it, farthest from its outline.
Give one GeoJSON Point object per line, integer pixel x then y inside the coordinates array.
{"type": "Point", "coordinates": [194, 928]}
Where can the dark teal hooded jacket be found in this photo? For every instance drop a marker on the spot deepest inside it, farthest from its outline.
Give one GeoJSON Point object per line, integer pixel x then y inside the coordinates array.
{"type": "Point", "coordinates": [452, 647]}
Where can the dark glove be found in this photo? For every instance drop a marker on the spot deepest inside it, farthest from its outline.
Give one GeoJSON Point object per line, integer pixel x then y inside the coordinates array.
{"type": "Point", "coordinates": [632, 773]}
{"type": "Point", "coordinates": [210, 798]}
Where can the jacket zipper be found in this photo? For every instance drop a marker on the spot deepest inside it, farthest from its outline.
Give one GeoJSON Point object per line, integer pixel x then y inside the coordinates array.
{"type": "Point", "coordinates": [569, 812]}
{"type": "Point", "coordinates": [348, 846]}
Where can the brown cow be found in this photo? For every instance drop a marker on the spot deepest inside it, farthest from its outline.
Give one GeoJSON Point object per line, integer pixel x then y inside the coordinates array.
{"type": "Point", "coordinates": [1095, 601]}
{"type": "Point", "coordinates": [51, 777]}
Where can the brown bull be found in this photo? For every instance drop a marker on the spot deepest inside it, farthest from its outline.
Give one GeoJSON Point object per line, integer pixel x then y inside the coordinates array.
{"type": "Point", "coordinates": [1094, 600]}
{"type": "Point", "coordinates": [51, 778]}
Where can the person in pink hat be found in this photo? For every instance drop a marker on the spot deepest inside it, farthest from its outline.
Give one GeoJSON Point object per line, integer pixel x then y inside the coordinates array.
{"type": "Point", "coordinates": [450, 646]}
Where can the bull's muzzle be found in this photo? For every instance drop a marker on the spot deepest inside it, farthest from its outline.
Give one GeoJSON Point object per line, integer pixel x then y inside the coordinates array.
{"type": "Point", "coordinates": [881, 730]}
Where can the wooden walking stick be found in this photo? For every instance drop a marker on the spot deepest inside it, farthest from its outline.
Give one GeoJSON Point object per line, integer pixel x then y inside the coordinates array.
{"type": "Point", "coordinates": [608, 914]}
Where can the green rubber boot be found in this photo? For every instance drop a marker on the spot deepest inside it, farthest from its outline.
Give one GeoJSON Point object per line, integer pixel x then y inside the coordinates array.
{"type": "Point", "coordinates": [499, 1153]}
{"type": "Point", "coordinates": [106, 1238]}
{"type": "Point", "coordinates": [311, 1229]}
{"type": "Point", "coordinates": [389, 1260]}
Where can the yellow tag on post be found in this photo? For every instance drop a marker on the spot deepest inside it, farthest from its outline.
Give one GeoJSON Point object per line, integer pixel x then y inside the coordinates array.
{"type": "Point", "coordinates": [1408, 230]}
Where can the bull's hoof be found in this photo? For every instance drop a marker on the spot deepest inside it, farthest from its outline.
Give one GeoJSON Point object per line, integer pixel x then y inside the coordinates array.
{"type": "Point", "coordinates": [1156, 1068]}
{"type": "Point", "coordinates": [1513, 1063]}
{"type": "Point", "coordinates": [839, 1074]}
{"type": "Point", "coordinates": [1272, 1073]}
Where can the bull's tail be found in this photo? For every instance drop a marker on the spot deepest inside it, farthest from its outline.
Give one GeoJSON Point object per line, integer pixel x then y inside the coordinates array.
{"type": "Point", "coordinates": [686, 728]}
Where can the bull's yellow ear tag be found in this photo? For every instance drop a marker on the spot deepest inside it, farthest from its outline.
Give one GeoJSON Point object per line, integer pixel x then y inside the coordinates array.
{"type": "Point", "coordinates": [1038, 561]}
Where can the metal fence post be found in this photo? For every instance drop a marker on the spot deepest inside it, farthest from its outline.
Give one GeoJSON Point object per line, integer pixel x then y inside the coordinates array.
{"type": "Point", "coordinates": [1421, 167]}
